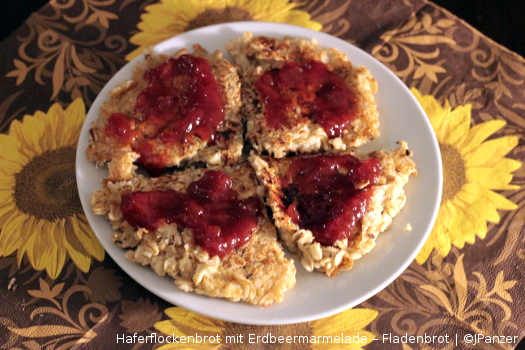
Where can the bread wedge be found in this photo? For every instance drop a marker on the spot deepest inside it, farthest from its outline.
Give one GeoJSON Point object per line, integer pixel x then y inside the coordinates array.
{"type": "Point", "coordinates": [387, 199]}
{"type": "Point", "coordinates": [128, 132]}
{"type": "Point", "coordinates": [302, 130]}
{"type": "Point", "coordinates": [255, 271]}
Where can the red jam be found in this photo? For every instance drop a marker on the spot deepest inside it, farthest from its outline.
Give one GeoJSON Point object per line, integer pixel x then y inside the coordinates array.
{"type": "Point", "coordinates": [220, 221]}
{"type": "Point", "coordinates": [182, 100]}
{"type": "Point", "coordinates": [320, 94]}
{"type": "Point", "coordinates": [329, 194]}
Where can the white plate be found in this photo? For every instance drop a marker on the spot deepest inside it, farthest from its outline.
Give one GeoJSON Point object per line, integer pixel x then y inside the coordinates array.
{"type": "Point", "coordinates": [315, 295]}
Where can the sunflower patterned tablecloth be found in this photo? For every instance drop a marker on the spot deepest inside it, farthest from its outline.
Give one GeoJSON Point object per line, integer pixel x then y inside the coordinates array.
{"type": "Point", "coordinates": [58, 290]}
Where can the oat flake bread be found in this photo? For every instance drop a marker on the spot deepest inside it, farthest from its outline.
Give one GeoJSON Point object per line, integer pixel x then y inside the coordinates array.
{"type": "Point", "coordinates": [205, 228]}
{"type": "Point", "coordinates": [299, 97]}
{"type": "Point", "coordinates": [329, 209]}
{"type": "Point", "coordinates": [173, 111]}
{"type": "Point", "coordinates": [220, 141]}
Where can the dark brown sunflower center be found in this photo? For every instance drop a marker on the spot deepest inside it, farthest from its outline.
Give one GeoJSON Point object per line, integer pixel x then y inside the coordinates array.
{"type": "Point", "coordinates": [216, 16]}
{"type": "Point", "coordinates": [267, 337]}
{"type": "Point", "coordinates": [46, 187]}
{"type": "Point", "coordinates": [454, 176]}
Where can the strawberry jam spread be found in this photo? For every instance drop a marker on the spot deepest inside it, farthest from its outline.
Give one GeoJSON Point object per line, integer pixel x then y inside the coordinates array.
{"type": "Point", "coordinates": [310, 89]}
{"type": "Point", "coordinates": [329, 194]}
{"type": "Point", "coordinates": [182, 100]}
{"type": "Point", "coordinates": [220, 221]}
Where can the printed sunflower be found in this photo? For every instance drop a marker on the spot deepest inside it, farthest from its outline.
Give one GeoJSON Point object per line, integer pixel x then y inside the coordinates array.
{"type": "Point", "coordinates": [348, 326]}
{"type": "Point", "coordinates": [40, 212]}
{"type": "Point", "coordinates": [472, 168]}
{"type": "Point", "coordinates": [168, 18]}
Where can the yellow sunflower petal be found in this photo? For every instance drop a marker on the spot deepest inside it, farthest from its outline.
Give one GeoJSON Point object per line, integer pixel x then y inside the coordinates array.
{"type": "Point", "coordinates": [285, 13]}
{"type": "Point", "coordinates": [6, 194]}
{"type": "Point", "coordinates": [459, 240]}
{"type": "Point", "coordinates": [65, 123]}
{"type": "Point", "coordinates": [425, 252]}
{"type": "Point", "coordinates": [168, 18]}
{"type": "Point", "coordinates": [157, 18]}
{"type": "Point", "coordinates": [84, 236]}
{"type": "Point", "coordinates": [27, 249]}
{"type": "Point", "coordinates": [496, 200]}
{"type": "Point", "coordinates": [10, 167]}
{"type": "Point", "coordinates": [458, 123]}
{"type": "Point", "coordinates": [161, 21]}
{"type": "Point", "coordinates": [28, 132]}
{"type": "Point", "coordinates": [472, 199]}
{"type": "Point", "coordinates": [10, 238]}
{"type": "Point", "coordinates": [55, 263]}
{"type": "Point", "coordinates": [55, 258]}
{"type": "Point", "coordinates": [440, 236]}
{"type": "Point", "coordinates": [95, 247]}
{"type": "Point", "coordinates": [164, 19]}
{"type": "Point", "coordinates": [467, 217]}
{"type": "Point", "coordinates": [463, 222]}
{"type": "Point", "coordinates": [7, 183]}
{"type": "Point", "coordinates": [442, 242]}
{"type": "Point", "coordinates": [263, 8]}
{"type": "Point", "coordinates": [54, 120]}
{"type": "Point", "coordinates": [479, 133]}
{"type": "Point", "coordinates": [81, 259]}
{"type": "Point", "coordinates": [10, 149]}
{"type": "Point", "coordinates": [76, 250]}
{"type": "Point", "coordinates": [434, 111]}
{"type": "Point", "coordinates": [497, 177]}
{"type": "Point", "coordinates": [28, 239]}
{"type": "Point", "coordinates": [7, 209]}
{"type": "Point", "coordinates": [74, 116]}
{"type": "Point", "coordinates": [490, 152]}
{"type": "Point", "coordinates": [9, 141]}
{"type": "Point", "coordinates": [472, 211]}
{"type": "Point", "coordinates": [42, 250]}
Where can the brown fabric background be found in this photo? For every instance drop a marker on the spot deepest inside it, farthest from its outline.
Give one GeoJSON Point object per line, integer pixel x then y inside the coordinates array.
{"type": "Point", "coordinates": [404, 35]}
